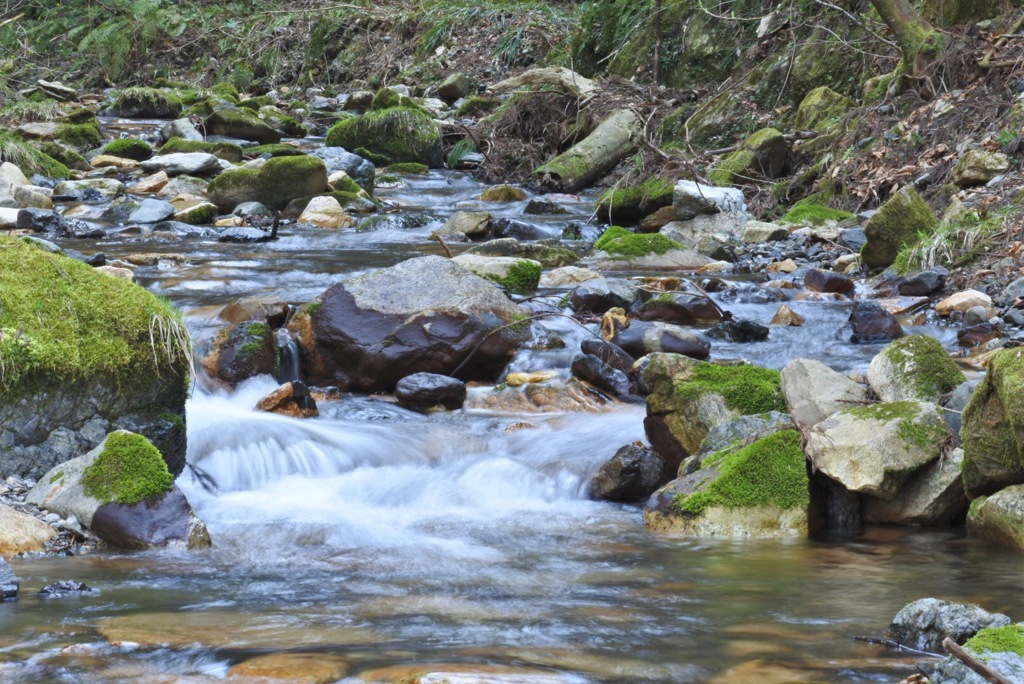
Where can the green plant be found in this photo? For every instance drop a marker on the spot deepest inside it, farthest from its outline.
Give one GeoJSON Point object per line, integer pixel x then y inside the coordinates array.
{"type": "Point", "coordinates": [459, 151]}
{"type": "Point", "coordinates": [953, 243]}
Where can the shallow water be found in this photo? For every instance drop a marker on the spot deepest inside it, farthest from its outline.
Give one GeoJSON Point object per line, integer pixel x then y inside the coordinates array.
{"type": "Point", "coordinates": [391, 538]}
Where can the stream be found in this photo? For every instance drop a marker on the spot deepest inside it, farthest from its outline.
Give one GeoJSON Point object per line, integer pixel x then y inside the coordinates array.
{"type": "Point", "coordinates": [386, 538]}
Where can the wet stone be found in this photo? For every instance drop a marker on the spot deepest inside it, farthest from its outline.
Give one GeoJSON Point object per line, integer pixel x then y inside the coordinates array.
{"type": "Point", "coordinates": [430, 390]}
{"type": "Point", "coordinates": [8, 582]}
{"type": "Point", "coordinates": [65, 589]}
{"type": "Point", "coordinates": [870, 323]}
{"type": "Point", "coordinates": [739, 331]}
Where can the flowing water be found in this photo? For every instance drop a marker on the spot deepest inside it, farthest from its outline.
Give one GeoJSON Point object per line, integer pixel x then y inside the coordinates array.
{"type": "Point", "coordinates": [386, 538]}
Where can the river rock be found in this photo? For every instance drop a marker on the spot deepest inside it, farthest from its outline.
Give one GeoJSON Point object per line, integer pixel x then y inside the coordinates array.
{"type": "Point", "coordinates": [243, 234]}
{"type": "Point", "coordinates": [870, 323]}
{"type": "Point", "coordinates": [547, 254]}
{"type": "Point", "coordinates": [786, 316]}
{"type": "Point", "coordinates": [819, 280]}
{"type": "Point", "coordinates": [358, 169]}
{"type": "Point", "coordinates": [690, 199]}
{"type": "Point", "coordinates": [183, 163]}
{"type": "Point", "coordinates": [689, 397]}
{"type": "Point", "coordinates": [241, 123]}
{"type": "Point", "coordinates": [612, 354]}
{"type": "Point", "coordinates": [422, 391]}
{"type": "Point", "coordinates": [503, 193]}
{"type": "Point", "coordinates": [49, 222]}
{"type": "Point", "coordinates": [270, 310]}
{"type": "Point", "coordinates": [241, 351]}
{"type": "Point", "coordinates": [552, 396]}
{"type": "Point", "coordinates": [27, 197]}
{"type": "Point", "coordinates": [326, 212]}
{"type": "Point", "coordinates": [874, 449]}
{"type": "Point", "coordinates": [90, 190]}
{"type": "Point", "coordinates": [899, 222]}
{"type": "Point", "coordinates": [630, 476]}
{"type": "Point", "coordinates": [741, 430]}
{"type": "Point", "coordinates": [167, 522]}
{"type": "Point", "coordinates": [999, 518]}
{"type": "Point", "coordinates": [516, 275]}
{"type": "Point", "coordinates": [923, 624]}
{"type": "Point", "coordinates": [422, 315]}
{"type": "Point", "coordinates": [602, 375]}
{"type": "Point", "coordinates": [913, 368]}
{"type": "Point", "coordinates": [278, 182]}
{"type": "Point", "coordinates": [977, 167]}
{"type": "Point", "coordinates": [813, 391]}
{"type": "Point", "coordinates": [760, 490]}
{"type": "Point", "coordinates": [993, 427]}
{"type": "Point", "coordinates": [21, 533]}
{"type": "Point", "coordinates": [55, 415]}
{"type": "Point", "coordinates": [757, 232]}
{"type": "Point", "coordinates": [932, 496]}
{"type": "Point", "coordinates": [599, 295]}
{"type": "Point", "coordinates": [293, 668]}
{"type": "Point", "coordinates": [741, 331]}
{"type": "Point", "coordinates": [291, 399]}
{"type": "Point", "coordinates": [567, 276]}
{"type": "Point", "coordinates": [13, 175]}
{"type": "Point", "coordinates": [923, 283]}
{"type": "Point", "coordinates": [681, 308]}
{"type": "Point", "coordinates": [66, 589]}
{"type": "Point", "coordinates": [643, 337]}
{"type": "Point", "coordinates": [152, 211]}
{"type": "Point", "coordinates": [455, 86]}
{"type": "Point", "coordinates": [978, 335]}
{"type": "Point", "coordinates": [1008, 665]}
{"type": "Point", "coordinates": [9, 583]}
{"type": "Point", "coordinates": [181, 128]}
{"type": "Point", "coordinates": [472, 224]}
{"type": "Point", "coordinates": [962, 301]}
{"type": "Point", "coordinates": [957, 402]}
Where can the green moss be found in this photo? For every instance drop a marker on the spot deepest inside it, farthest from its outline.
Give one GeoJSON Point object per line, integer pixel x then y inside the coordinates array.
{"type": "Point", "coordinates": [148, 102]}
{"type": "Point", "coordinates": [224, 150]}
{"type": "Point", "coordinates": [954, 242]}
{"type": "Point", "coordinates": [769, 472]}
{"type": "Point", "coordinates": [255, 338]}
{"type": "Point", "coordinates": [386, 98]}
{"type": "Point", "coordinates": [67, 156]}
{"type": "Point", "coordinates": [228, 91]}
{"type": "Point", "coordinates": [407, 167]}
{"type": "Point", "coordinates": [815, 214]}
{"type": "Point", "coordinates": [62, 319]}
{"type": "Point", "coordinates": [254, 103]}
{"type": "Point", "coordinates": [476, 105]}
{"type": "Point", "coordinates": [312, 308]}
{"type": "Point", "coordinates": [629, 202]}
{"type": "Point", "coordinates": [57, 476]}
{"type": "Point", "coordinates": [1006, 639]}
{"type": "Point", "coordinates": [820, 110]}
{"type": "Point", "coordinates": [274, 150]}
{"type": "Point", "coordinates": [82, 135]}
{"type": "Point", "coordinates": [910, 430]}
{"type": "Point", "coordinates": [129, 148]}
{"type": "Point", "coordinates": [397, 134]}
{"type": "Point", "coordinates": [748, 390]}
{"type": "Point", "coordinates": [347, 185]}
{"type": "Point", "coordinates": [389, 178]}
{"type": "Point", "coordinates": [934, 373]}
{"type": "Point", "coordinates": [199, 215]}
{"type": "Point", "coordinates": [30, 160]}
{"type": "Point", "coordinates": [522, 277]}
{"type": "Point", "coordinates": [900, 222]}
{"type": "Point", "coordinates": [373, 157]}
{"type": "Point", "coordinates": [129, 470]}
{"type": "Point", "coordinates": [278, 182]}
{"type": "Point", "coordinates": [735, 168]}
{"type": "Point", "coordinates": [619, 241]}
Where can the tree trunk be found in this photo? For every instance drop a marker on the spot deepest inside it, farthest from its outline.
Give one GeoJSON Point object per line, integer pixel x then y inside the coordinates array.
{"type": "Point", "coordinates": [594, 156]}
{"type": "Point", "coordinates": [917, 39]}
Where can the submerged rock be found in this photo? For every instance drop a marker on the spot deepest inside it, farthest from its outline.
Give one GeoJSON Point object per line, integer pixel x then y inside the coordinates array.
{"type": "Point", "coordinates": [241, 351]}
{"type": "Point", "coordinates": [66, 588]}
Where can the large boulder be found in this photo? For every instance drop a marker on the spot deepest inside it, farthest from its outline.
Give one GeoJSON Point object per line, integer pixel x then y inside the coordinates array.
{"type": "Point", "coordinates": [993, 427]}
{"type": "Point", "coordinates": [898, 222]}
{"type": "Point", "coordinates": [123, 492]}
{"type": "Point", "coordinates": [399, 134]}
{"type": "Point", "coordinates": [874, 449]}
{"type": "Point", "coordinates": [84, 353]}
{"type": "Point", "coordinates": [241, 123]}
{"type": "Point", "coordinates": [913, 368]}
{"type": "Point", "coordinates": [934, 495]}
{"type": "Point", "coordinates": [765, 154]}
{"type": "Point", "coordinates": [760, 490]}
{"type": "Point", "coordinates": [680, 308]}
{"type": "Point", "coordinates": [813, 391]}
{"type": "Point", "coordinates": [621, 250]}
{"type": "Point", "coordinates": [689, 397]}
{"type": "Point", "coordinates": [977, 167]}
{"type": "Point", "coordinates": [279, 181]}
{"type": "Point", "coordinates": [598, 295]}
{"type": "Point", "coordinates": [514, 274]}
{"type": "Point", "coordinates": [925, 623]}
{"type": "Point", "coordinates": [1000, 648]}
{"type": "Point", "coordinates": [427, 314]}
{"type": "Point", "coordinates": [358, 169]}
{"type": "Point", "coordinates": [999, 518]}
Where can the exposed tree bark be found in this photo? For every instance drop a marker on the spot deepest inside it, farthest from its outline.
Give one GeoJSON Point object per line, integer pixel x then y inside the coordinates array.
{"type": "Point", "coordinates": [594, 156]}
{"type": "Point", "coordinates": [917, 39]}
{"type": "Point", "coordinates": [559, 76]}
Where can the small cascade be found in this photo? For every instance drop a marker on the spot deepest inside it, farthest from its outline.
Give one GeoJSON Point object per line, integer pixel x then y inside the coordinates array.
{"type": "Point", "coordinates": [288, 352]}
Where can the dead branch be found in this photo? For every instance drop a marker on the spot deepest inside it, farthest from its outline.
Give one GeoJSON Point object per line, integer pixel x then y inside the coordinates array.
{"type": "Point", "coordinates": [440, 240]}
{"type": "Point", "coordinates": [788, 137]}
{"type": "Point", "coordinates": [973, 663]}
{"type": "Point", "coordinates": [558, 76]}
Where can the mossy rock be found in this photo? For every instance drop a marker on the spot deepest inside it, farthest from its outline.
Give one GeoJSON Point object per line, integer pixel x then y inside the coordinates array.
{"type": "Point", "coordinates": [993, 427]}
{"type": "Point", "coordinates": [515, 275]}
{"type": "Point", "coordinates": [763, 154]}
{"type": "Point", "coordinates": [412, 168]}
{"type": "Point", "coordinates": [241, 351]}
{"type": "Point", "coordinates": [80, 135]}
{"type": "Point", "coordinates": [67, 156]}
{"type": "Point", "coordinates": [128, 471]}
{"type": "Point", "coordinates": [396, 134]}
{"type": "Point", "coordinates": [386, 98]}
{"type": "Point", "coordinates": [222, 150]}
{"type": "Point", "coordinates": [63, 319]}
{"type": "Point", "coordinates": [147, 103]}
{"type": "Point", "coordinates": [1006, 639]}
{"type": "Point", "coordinates": [915, 367]}
{"type": "Point", "coordinates": [281, 180]}
{"type": "Point", "coordinates": [288, 125]}
{"type": "Point", "coordinates": [476, 106]}
{"type": "Point", "coordinates": [815, 214]}
{"type": "Point", "coordinates": [821, 109]}
{"type": "Point", "coordinates": [826, 59]}
{"type": "Point", "coordinates": [617, 241]}
{"type": "Point", "coordinates": [278, 150]}
{"type": "Point", "coordinates": [241, 123]}
{"type": "Point", "coordinates": [716, 123]}
{"type": "Point", "coordinates": [255, 103]}
{"type": "Point", "coordinates": [27, 158]}
{"type": "Point", "coordinates": [129, 148]}
{"type": "Point", "coordinates": [632, 202]}
{"type": "Point", "coordinates": [225, 90]}
{"type": "Point", "coordinates": [900, 222]}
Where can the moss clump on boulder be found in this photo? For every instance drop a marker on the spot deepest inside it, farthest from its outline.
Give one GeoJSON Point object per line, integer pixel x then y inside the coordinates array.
{"type": "Point", "coordinates": [815, 214]}
{"type": "Point", "coordinates": [225, 90]}
{"type": "Point", "coordinates": [147, 103]}
{"type": "Point", "coordinates": [407, 168]}
{"type": "Point", "coordinates": [281, 180]}
{"type": "Point", "coordinates": [522, 277]}
{"type": "Point", "coordinates": [255, 103]}
{"type": "Point", "coordinates": [770, 472]}
{"type": "Point", "coordinates": [129, 148]}
{"type": "Point", "coordinates": [241, 123]}
{"type": "Point", "coordinates": [631, 202]}
{"type": "Point", "coordinates": [915, 367]}
{"type": "Point", "coordinates": [745, 389]}
{"type": "Point", "coordinates": [898, 223]}
{"type": "Point", "coordinates": [128, 471]}
{"type": "Point", "coordinates": [820, 110]}
{"type": "Point", "coordinates": [763, 154]}
{"type": "Point", "coordinates": [386, 98]}
{"type": "Point", "coordinates": [993, 427]}
{"type": "Point", "coordinates": [396, 134]}
{"type": "Point", "coordinates": [910, 429]}
{"type": "Point", "coordinates": [62, 318]}
{"type": "Point", "coordinates": [222, 150]}
{"type": "Point", "coordinates": [1006, 639]}
{"type": "Point", "coordinates": [288, 125]}
{"type": "Point", "coordinates": [621, 242]}
{"type": "Point", "coordinates": [277, 150]}
{"type": "Point", "coordinates": [80, 135]}
{"type": "Point", "coordinates": [27, 158]}
{"type": "Point", "coordinates": [477, 106]}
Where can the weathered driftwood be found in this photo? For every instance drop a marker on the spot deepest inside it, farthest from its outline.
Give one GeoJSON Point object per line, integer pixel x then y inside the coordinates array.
{"type": "Point", "coordinates": [973, 663]}
{"type": "Point", "coordinates": [558, 76]}
{"type": "Point", "coordinates": [594, 156]}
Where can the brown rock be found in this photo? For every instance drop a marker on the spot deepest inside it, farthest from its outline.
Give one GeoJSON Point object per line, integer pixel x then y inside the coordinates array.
{"type": "Point", "coordinates": [295, 668]}
{"type": "Point", "coordinates": [270, 310]}
{"type": "Point", "coordinates": [502, 193]}
{"type": "Point", "coordinates": [962, 301]}
{"type": "Point", "coordinates": [652, 223]}
{"type": "Point", "coordinates": [20, 533]}
{"type": "Point", "coordinates": [819, 280]}
{"type": "Point", "coordinates": [786, 316]}
{"type": "Point", "coordinates": [290, 399]}
{"type": "Point", "coordinates": [153, 183]}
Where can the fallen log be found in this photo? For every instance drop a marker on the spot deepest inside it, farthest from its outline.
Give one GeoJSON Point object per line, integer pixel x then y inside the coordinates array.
{"type": "Point", "coordinates": [558, 76]}
{"type": "Point", "coordinates": [973, 663]}
{"type": "Point", "coordinates": [594, 156]}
